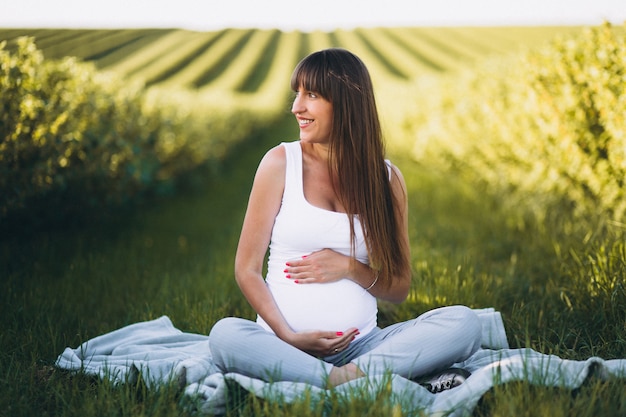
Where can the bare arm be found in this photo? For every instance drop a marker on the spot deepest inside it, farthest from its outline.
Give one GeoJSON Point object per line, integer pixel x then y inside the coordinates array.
{"type": "Point", "coordinates": [263, 206]}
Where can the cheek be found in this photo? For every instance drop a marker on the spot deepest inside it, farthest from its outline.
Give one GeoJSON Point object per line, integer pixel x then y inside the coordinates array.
{"type": "Point", "coordinates": [328, 117]}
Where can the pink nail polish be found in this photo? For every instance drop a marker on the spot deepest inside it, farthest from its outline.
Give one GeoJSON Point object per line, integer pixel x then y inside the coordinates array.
{"type": "Point", "coordinates": [339, 333]}
{"type": "Point", "coordinates": [286, 270]}
{"type": "Point", "coordinates": [288, 276]}
{"type": "Point", "coordinates": [304, 257]}
{"type": "Point", "coordinates": [296, 281]}
{"type": "Point", "coordinates": [288, 264]}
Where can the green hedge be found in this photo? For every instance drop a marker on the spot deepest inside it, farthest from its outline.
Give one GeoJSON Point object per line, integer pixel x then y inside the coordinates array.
{"type": "Point", "coordinates": [544, 132]}
{"type": "Point", "coordinates": [73, 138]}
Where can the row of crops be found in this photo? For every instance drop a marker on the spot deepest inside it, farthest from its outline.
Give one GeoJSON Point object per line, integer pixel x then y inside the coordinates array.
{"type": "Point", "coordinates": [254, 61]}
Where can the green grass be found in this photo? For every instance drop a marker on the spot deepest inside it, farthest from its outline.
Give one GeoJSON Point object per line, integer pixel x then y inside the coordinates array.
{"type": "Point", "coordinates": [60, 288]}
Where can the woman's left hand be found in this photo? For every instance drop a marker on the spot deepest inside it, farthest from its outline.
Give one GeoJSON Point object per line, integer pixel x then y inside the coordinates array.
{"type": "Point", "coordinates": [318, 267]}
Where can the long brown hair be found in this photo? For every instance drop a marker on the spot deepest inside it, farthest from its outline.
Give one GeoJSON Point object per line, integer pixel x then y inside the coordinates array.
{"type": "Point", "coordinates": [357, 154]}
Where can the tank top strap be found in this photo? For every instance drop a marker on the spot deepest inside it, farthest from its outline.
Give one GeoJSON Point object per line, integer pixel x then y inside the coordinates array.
{"type": "Point", "coordinates": [293, 169]}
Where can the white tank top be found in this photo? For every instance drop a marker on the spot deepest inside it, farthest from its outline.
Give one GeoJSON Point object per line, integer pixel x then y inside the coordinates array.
{"type": "Point", "coordinates": [300, 229]}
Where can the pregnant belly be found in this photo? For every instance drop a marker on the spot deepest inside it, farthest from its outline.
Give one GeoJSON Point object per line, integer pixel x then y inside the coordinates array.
{"type": "Point", "coordinates": [337, 306]}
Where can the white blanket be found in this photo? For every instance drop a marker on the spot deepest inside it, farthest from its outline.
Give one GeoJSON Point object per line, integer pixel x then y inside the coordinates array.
{"type": "Point", "coordinates": [159, 352]}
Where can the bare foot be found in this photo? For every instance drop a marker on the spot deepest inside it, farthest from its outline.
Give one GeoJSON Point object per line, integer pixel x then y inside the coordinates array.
{"type": "Point", "coordinates": [339, 375]}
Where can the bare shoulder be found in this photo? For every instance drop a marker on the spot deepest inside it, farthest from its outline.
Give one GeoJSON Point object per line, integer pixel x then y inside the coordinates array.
{"type": "Point", "coordinates": [397, 179]}
{"type": "Point", "coordinates": [395, 170]}
{"type": "Point", "coordinates": [273, 162]}
{"type": "Point", "coordinates": [269, 179]}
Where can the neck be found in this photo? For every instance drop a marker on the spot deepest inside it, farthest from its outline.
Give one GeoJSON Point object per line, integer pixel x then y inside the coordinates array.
{"type": "Point", "coordinates": [317, 151]}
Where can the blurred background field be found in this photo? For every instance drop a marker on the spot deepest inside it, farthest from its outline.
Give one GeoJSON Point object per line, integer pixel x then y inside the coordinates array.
{"type": "Point", "coordinates": [148, 106]}
{"type": "Point", "coordinates": [126, 157]}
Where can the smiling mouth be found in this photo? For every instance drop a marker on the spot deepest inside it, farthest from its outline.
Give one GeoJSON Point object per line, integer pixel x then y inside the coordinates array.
{"type": "Point", "coordinates": [304, 122]}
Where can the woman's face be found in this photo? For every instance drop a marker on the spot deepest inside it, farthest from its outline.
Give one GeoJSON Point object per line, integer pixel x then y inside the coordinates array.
{"type": "Point", "coordinates": [314, 115]}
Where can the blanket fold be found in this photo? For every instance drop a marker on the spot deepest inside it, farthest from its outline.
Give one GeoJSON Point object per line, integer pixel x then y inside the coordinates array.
{"type": "Point", "coordinates": [159, 352]}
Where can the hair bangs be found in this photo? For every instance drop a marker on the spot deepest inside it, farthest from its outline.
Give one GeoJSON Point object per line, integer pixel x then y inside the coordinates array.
{"type": "Point", "coordinates": [312, 75]}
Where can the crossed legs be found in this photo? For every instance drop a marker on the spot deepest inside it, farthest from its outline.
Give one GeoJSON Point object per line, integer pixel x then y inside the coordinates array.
{"type": "Point", "coordinates": [431, 342]}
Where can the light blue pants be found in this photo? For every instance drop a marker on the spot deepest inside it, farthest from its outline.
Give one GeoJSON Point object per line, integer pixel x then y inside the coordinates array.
{"type": "Point", "coordinates": [431, 342]}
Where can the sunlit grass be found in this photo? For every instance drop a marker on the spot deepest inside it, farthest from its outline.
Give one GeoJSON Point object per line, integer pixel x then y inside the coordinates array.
{"type": "Point", "coordinates": [175, 258]}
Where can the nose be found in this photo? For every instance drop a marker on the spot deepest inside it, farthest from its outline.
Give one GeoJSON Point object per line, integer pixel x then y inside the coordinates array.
{"type": "Point", "coordinates": [297, 106]}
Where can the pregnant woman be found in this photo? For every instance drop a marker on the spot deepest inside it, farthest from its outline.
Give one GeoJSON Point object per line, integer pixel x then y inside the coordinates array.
{"type": "Point", "coordinates": [333, 212]}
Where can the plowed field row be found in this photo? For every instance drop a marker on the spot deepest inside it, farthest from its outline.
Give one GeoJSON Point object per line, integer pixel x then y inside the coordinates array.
{"type": "Point", "coordinates": [245, 61]}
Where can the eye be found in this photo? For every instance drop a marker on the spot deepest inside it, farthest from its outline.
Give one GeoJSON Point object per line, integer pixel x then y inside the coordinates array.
{"type": "Point", "coordinates": [309, 94]}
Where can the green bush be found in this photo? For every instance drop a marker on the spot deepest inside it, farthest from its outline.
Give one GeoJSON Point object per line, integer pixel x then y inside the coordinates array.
{"type": "Point", "coordinates": [542, 131]}
{"type": "Point", "coordinates": [63, 126]}
{"type": "Point", "coordinates": [73, 138]}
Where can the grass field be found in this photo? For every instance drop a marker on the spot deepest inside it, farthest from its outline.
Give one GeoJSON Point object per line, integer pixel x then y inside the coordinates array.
{"type": "Point", "coordinates": [175, 258]}
{"type": "Point", "coordinates": [559, 294]}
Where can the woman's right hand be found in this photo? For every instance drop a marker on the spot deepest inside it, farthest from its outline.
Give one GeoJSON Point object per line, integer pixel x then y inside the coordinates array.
{"type": "Point", "coordinates": [319, 267]}
{"type": "Point", "coordinates": [322, 343]}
